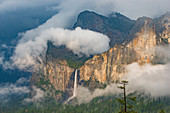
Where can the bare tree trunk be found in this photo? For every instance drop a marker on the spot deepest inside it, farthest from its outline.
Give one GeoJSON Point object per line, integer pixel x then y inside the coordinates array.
{"type": "Point", "coordinates": [125, 97]}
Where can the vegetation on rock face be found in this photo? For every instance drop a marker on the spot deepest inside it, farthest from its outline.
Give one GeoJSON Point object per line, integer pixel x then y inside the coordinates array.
{"type": "Point", "coordinates": [62, 53]}
{"type": "Point", "coordinates": [49, 89]}
{"type": "Point", "coordinates": [92, 85]}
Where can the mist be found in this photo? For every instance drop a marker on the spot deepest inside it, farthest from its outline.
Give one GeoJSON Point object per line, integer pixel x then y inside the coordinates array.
{"type": "Point", "coordinates": [16, 5]}
{"type": "Point", "coordinates": [151, 79]}
{"type": "Point", "coordinates": [137, 8]}
{"type": "Point", "coordinates": [19, 89]}
{"type": "Point", "coordinates": [81, 42]}
{"type": "Point", "coordinates": [39, 95]}
{"type": "Point", "coordinates": [130, 8]}
{"type": "Point", "coordinates": [147, 79]}
{"type": "Point", "coordinates": [84, 95]}
{"type": "Point", "coordinates": [7, 90]}
{"type": "Point", "coordinates": [66, 17]}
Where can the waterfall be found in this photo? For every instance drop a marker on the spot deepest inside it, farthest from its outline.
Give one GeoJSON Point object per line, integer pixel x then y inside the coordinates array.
{"type": "Point", "coordinates": [75, 84]}
{"type": "Point", "coordinates": [75, 88]}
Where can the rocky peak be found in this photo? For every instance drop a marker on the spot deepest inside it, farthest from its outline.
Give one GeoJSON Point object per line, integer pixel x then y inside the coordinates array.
{"type": "Point", "coordinates": [142, 23]}
{"type": "Point", "coordinates": [163, 28]}
{"type": "Point", "coordinates": [116, 28]}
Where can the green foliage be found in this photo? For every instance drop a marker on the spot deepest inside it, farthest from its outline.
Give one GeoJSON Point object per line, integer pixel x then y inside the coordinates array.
{"type": "Point", "coordinates": [93, 84]}
{"type": "Point", "coordinates": [126, 102]}
{"type": "Point", "coordinates": [106, 104]}
{"type": "Point", "coordinates": [121, 87]}
{"type": "Point", "coordinates": [43, 81]}
{"type": "Point", "coordinates": [74, 63]}
{"type": "Point", "coordinates": [62, 53]}
{"type": "Point", "coordinates": [133, 99]}
{"type": "Point", "coordinates": [121, 101]}
{"type": "Point", "coordinates": [124, 81]}
{"type": "Point", "coordinates": [162, 111]}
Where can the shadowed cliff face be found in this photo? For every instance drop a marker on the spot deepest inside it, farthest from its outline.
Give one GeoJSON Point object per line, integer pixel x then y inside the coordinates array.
{"type": "Point", "coordinates": [56, 74]}
{"type": "Point", "coordinates": [115, 26]}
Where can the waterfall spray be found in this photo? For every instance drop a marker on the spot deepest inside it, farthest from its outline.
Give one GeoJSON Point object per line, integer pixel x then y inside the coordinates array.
{"type": "Point", "coordinates": [75, 88]}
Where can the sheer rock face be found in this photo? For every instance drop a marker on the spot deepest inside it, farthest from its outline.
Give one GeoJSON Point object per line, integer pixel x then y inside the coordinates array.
{"type": "Point", "coordinates": [163, 28]}
{"type": "Point", "coordinates": [109, 66]}
{"type": "Point", "coordinates": [144, 41]}
{"type": "Point", "coordinates": [55, 75]}
{"type": "Point", "coordinates": [55, 78]}
{"type": "Point", "coordinates": [139, 47]}
{"type": "Point", "coordinates": [59, 74]}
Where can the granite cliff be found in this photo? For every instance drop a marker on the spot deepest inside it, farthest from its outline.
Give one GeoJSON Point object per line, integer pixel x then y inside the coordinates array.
{"type": "Point", "coordinates": [115, 26]}
{"type": "Point", "coordinates": [140, 47]}
{"type": "Point", "coordinates": [131, 42]}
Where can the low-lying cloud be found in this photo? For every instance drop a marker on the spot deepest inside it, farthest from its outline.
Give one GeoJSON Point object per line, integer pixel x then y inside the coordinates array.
{"type": "Point", "coordinates": [20, 88]}
{"type": "Point", "coordinates": [81, 42]}
{"type": "Point", "coordinates": [153, 80]}
{"type": "Point", "coordinates": [39, 95]}
{"type": "Point", "coordinates": [84, 95]}
{"type": "Point", "coordinates": [17, 88]}
{"type": "Point", "coordinates": [147, 79]}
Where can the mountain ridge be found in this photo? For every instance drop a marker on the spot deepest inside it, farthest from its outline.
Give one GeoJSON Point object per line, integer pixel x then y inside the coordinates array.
{"type": "Point", "coordinates": [138, 46]}
{"type": "Point", "coordinates": [116, 28]}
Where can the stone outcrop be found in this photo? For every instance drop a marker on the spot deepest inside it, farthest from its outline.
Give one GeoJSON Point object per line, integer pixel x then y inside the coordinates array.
{"type": "Point", "coordinates": [163, 28]}
{"type": "Point", "coordinates": [115, 26]}
{"type": "Point", "coordinates": [59, 74]}
{"type": "Point", "coordinates": [139, 47]}
{"type": "Point", "coordinates": [54, 77]}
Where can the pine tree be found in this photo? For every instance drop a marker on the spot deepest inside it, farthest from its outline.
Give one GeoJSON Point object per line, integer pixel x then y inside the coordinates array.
{"type": "Point", "coordinates": [128, 108]}
{"type": "Point", "coordinates": [162, 111]}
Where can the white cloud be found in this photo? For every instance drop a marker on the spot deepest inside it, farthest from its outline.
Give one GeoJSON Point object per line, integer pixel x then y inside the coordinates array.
{"type": "Point", "coordinates": [150, 79]}
{"type": "Point", "coordinates": [16, 88]}
{"type": "Point", "coordinates": [84, 95]}
{"type": "Point", "coordinates": [147, 79]}
{"type": "Point", "coordinates": [131, 8]}
{"type": "Point", "coordinates": [39, 95]}
{"type": "Point", "coordinates": [79, 41]}
{"type": "Point", "coordinates": [66, 18]}
{"type": "Point", "coordinates": [20, 87]}
{"type": "Point", "coordinates": [16, 5]}
{"type": "Point", "coordinates": [138, 8]}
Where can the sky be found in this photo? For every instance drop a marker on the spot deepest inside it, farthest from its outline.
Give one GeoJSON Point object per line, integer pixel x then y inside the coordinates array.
{"type": "Point", "coordinates": [131, 8]}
